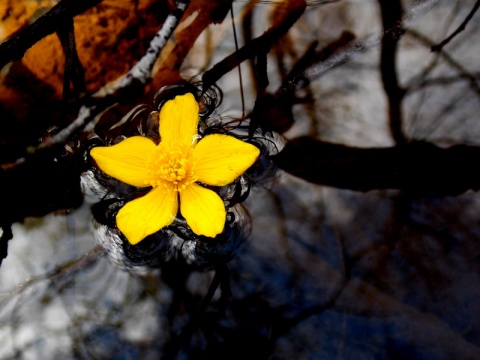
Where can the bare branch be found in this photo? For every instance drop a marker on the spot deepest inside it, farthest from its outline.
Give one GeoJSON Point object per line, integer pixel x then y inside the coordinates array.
{"type": "Point", "coordinates": [14, 48]}
{"type": "Point", "coordinates": [462, 72]}
{"type": "Point", "coordinates": [419, 9]}
{"type": "Point", "coordinates": [391, 18]}
{"type": "Point", "coordinates": [461, 28]}
{"type": "Point", "coordinates": [419, 167]}
{"type": "Point", "coordinates": [137, 77]}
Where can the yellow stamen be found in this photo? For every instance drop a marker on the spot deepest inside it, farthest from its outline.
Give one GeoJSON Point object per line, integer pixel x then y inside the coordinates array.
{"type": "Point", "coordinates": [171, 168]}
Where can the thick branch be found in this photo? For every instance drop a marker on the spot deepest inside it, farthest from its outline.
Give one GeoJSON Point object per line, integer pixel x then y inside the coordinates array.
{"type": "Point", "coordinates": [73, 71]}
{"type": "Point", "coordinates": [14, 48]}
{"type": "Point", "coordinates": [391, 19]}
{"type": "Point", "coordinates": [419, 167]}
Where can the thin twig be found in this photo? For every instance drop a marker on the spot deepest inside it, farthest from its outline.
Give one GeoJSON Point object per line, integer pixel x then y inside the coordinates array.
{"type": "Point", "coordinates": [140, 74]}
{"type": "Point", "coordinates": [62, 272]}
{"type": "Point", "coordinates": [461, 28]}
{"type": "Point", "coordinates": [239, 65]}
{"type": "Point", "coordinates": [261, 44]}
{"type": "Point", "coordinates": [415, 12]}
{"type": "Point", "coordinates": [439, 81]}
{"type": "Point", "coordinates": [462, 72]}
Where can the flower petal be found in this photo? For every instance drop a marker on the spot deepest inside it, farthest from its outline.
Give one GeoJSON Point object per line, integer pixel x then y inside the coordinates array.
{"type": "Point", "coordinates": [220, 159]}
{"type": "Point", "coordinates": [148, 214]}
{"type": "Point", "coordinates": [126, 161]}
{"type": "Point", "coordinates": [179, 121]}
{"type": "Point", "coordinates": [203, 209]}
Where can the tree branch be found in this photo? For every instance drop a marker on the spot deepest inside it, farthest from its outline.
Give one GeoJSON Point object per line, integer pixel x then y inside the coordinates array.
{"type": "Point", "coordinates": [392, 19]}
{"type": "Point", "coordinates": [462, 27]}
{"type": "Point", "coordinates": [6, 236]}
{"type": "Point", "coordinates": [133, 82]}
{"type": "Point", "coordinates": [73, 70]}
{"type": "Point", "coordinates": [419, 167]}
{"type": "Point", "coordinates": [262, 44]}
{"type": "Point", "coordinates": [462, 72]}
{"type": "Point", "coordinates": [14, 48]}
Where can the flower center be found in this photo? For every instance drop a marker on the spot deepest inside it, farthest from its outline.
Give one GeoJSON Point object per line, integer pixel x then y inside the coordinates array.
{"type": "Point", "coordinates": [172, 168]}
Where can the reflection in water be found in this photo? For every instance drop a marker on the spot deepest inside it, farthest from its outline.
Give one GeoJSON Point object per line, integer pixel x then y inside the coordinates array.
{"type": "Point", "coordinates": [326, 273]}
{"type": "Point", "coordinates": [381, 275]}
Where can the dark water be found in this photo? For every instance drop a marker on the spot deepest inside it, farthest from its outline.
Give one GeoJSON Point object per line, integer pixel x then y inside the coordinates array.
{"type": "Point", "coordinates": [328, 272]}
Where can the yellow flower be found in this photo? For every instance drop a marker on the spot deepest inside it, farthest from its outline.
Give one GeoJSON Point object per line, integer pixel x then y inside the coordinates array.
{"type": "Point", "coordinates": [173, 169]}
